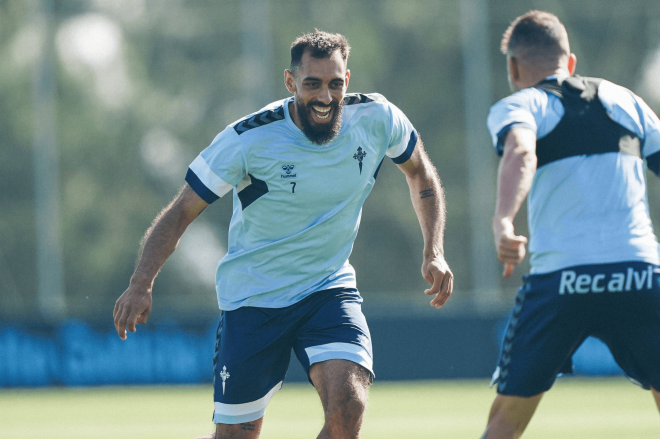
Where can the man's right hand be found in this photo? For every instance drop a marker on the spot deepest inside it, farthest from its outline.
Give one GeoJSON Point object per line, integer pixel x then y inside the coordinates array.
{"type": "Point", "coordinates": [510, 247]}
{"type": "Point", "coordinates": [133, 307]}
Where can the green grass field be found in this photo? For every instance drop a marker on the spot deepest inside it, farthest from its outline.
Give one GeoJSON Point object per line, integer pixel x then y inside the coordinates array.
{"type": "Point", "coordinates": [575, 408]}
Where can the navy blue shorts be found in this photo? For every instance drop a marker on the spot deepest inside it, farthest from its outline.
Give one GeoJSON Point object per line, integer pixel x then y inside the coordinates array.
{"type": "Point", "coordinates": [555, 312]}
{"type": "Point", "coordinates": [253, 348]}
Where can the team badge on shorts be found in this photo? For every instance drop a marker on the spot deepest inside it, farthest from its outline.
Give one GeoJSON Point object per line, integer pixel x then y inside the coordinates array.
{"type": "Point", "coordinates": [224, 375]}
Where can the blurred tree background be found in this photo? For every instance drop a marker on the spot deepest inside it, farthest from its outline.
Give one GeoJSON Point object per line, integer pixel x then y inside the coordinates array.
{"type": "Point", "coordinates": [141, 86]}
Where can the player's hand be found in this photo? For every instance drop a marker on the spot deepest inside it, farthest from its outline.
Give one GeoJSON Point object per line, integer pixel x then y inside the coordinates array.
{"type": "Point", "coordinates": [510, 247]}
{"type": "Point", "coordinates": [436, 272]}
{"type": "Point", "coordinates": [133, 307]}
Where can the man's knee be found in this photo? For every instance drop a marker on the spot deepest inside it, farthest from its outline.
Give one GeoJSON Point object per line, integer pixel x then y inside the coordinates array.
{"type": "Point", "coordinates": [245, 430]}
{"type": "Point", "coordinates": [656, 396]}
{"type": "Point", "coordinates": [353, 396]}
{"type": "Point", "coordinates": [510, 415]}
{"type": "Point", "coordinates": [343, 388]}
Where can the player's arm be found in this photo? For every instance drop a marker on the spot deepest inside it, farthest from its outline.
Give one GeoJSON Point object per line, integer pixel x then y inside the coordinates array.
{"type": "Point", "coordinates": [514, 180]}
{"type": "Point", "coordinates": [428, 201]}
{"type": "Point", "coordinates": [134, 306]}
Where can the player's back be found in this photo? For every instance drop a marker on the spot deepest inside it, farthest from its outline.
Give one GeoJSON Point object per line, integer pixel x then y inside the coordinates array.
{"type": "Point", "coordinates": [587, 204]}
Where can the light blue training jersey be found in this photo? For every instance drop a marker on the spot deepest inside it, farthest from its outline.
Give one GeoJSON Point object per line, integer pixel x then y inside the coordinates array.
{"type": "Point", "coordinates": [297, 204]}
{"type": "Point", "coordinates": [586, 209]}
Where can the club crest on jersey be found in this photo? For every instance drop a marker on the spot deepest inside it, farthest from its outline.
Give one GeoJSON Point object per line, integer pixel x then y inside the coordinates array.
{"type": "Point", "coordinates": [359, 156]}
{"type": "Point", "coordinates": [288, 171]}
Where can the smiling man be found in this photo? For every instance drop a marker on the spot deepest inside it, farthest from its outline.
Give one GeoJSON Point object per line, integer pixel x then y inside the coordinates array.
{"type": "Point", "coordinates": [300, 170]}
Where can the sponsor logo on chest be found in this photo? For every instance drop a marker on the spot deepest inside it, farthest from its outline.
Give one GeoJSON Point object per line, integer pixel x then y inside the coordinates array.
{"type": "Point", "coordinates": [288, 171]}
{"type": "Point", "coordinates": [573, 283]}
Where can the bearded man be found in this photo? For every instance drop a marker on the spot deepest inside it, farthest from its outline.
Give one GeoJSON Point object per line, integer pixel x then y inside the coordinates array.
{"type": "Point", "coordinates": [300, 170]}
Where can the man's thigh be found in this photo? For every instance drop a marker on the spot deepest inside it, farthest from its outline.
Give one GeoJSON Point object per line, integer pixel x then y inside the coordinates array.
{"type": "Point", "coordinates": [630, 325]}
{"type": "Point", "coordinates": [555, 312]}
{"type": "Point", "coordinates": [334, 328]}
{"type": "Point", "coordinates": [543, 332]}
{"type": "Point", "coordinates": [339, 383]}
{"type": "Point", "coordinates": [253, 348]}
{"type": "Point", "coordinates": [252, 352]}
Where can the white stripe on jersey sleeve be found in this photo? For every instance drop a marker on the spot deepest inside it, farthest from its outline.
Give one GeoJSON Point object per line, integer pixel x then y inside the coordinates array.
{"type": "Point", "coordinates": [519, 108]}
{"type": "Point", "coordinates": [208, 177]}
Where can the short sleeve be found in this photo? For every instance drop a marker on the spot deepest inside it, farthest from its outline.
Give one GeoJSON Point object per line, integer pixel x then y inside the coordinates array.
{"type": "Point", "coordinates": [651, 125]}
{"type": "Point", "coordinates": [516, 110]}
{"type": "Point", "coordinates": [651, 141]}
{"type": "Point", "coordinates": [403, 137]}
{"type": "Point", "coordinates": [629, 110]}
{"type": "Point", "coordinates": [219, 168]}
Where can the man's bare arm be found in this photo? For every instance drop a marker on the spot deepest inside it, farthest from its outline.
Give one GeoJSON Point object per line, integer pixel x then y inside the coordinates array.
{"type": "Point", "coordinates": [160, 241]}
{"type": "Point", "coordinates": [514, 180]}
{"type": "Point", "coordinates": [429, 203]}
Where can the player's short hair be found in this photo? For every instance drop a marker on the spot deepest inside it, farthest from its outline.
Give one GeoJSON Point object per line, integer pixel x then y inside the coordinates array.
{"type": "Point", "coordinates": [320, 45]}
{"type": "Point", "coordinates": [536, 36]}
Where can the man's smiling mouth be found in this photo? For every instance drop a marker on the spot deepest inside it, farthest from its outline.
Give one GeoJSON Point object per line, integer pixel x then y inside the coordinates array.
{"type": "Point", "coordinates": [321, 112]}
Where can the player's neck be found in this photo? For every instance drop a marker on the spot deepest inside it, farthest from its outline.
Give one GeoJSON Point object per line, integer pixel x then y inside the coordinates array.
{"type": "Point", "coordinates": [530, 77]}
{"type": "Point", "coordinates": [294, 114]}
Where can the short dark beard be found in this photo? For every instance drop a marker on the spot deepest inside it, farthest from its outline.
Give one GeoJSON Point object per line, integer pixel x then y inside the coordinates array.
{"type": "Point", "coordinates": [321, 134]}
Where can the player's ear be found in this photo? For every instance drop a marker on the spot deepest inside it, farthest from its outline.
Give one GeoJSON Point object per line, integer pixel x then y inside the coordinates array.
{"type": "Point", "coordinates": [514, 74]}
{"type": "Point", "coordinates": [572, 62]}
{"type": "Point", "coordinates": [289, 81]}
{"type": "Point", "coordinates": [348, 76]}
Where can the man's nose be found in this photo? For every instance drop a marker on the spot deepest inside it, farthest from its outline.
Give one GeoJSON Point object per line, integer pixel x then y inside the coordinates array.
{"type": "Point", "coordinates": [324, 96]}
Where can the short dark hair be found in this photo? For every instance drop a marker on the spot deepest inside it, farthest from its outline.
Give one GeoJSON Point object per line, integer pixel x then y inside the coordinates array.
{"type": "Point", "coordinates": [320, 44]}
{"type": "Point", "coordinates": [536, 35]}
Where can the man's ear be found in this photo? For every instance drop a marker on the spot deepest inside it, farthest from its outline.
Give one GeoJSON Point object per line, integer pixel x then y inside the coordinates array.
{"type": "Point", "coordinates": [514, 73]}
{"type": "Point", "coordinates": [572, 62]}
{"type": "Point", "coordinates": [289, 81]}
{"type": "Point", "coordinates": [348, 76]}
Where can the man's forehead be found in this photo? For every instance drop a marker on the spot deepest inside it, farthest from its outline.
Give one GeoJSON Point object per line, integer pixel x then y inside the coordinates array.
{"type": "Point", "coordinates": [311, 66]}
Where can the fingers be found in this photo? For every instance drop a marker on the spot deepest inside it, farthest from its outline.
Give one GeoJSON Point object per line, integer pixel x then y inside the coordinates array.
{"type": "Point", "coordinates": [444, 293]}
{"type": "Point", "coordinates": [131, 321]}
{"type": "Point", "coordinates": [126, 320]}
{"type": "Point", "coordinates": [120, 321]}
{"type": "Point", "coordinates": [508, 270]}
{"type": "Point", "coordinates": [442, 283]}
{"type": "Point", "coordinates": [517, 239]}
{"type": "Point", "coordinates": [131, 309]}
{"type": "Point", "coordinates": [511, 249]}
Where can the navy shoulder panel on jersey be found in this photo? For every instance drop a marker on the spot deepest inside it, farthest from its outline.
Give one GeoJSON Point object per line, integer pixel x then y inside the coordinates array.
{"type": "Point", "coordinates": [259, 119]}
{"type": "Point", "coordinates": [585, 128]}
{"type": "Point", "coordinates": [358, 98]}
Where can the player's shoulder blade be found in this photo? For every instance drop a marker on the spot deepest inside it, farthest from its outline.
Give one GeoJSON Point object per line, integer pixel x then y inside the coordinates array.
{"type": "Point", "coordinates": [363, 98]}
{"type": "Point", "coordinates": [270, 114]}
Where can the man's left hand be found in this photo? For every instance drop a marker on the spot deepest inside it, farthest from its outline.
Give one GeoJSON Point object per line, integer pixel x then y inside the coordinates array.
{"type": "Point", "coordinates": [437, 273]}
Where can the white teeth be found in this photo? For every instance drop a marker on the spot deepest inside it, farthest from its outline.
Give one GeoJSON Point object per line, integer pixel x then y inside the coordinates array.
{"type": "Point", "coordinates": [323, 110]}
